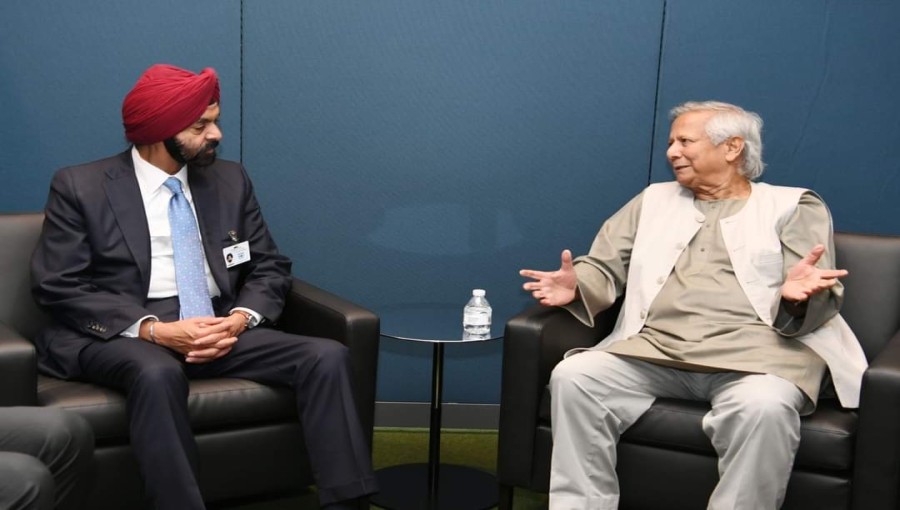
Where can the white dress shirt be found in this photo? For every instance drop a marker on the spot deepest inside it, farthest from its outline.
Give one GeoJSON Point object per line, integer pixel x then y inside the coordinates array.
{"type": "Point", "coordinates": [155, 197]}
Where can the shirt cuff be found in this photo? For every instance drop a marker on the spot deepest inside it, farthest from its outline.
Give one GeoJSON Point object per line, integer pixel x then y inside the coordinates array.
{"type": "Point", "coordinates": [134, 330]}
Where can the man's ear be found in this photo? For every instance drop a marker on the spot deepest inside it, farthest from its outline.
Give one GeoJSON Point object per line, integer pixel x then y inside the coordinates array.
{"type": "Point", "coordinates": [734, 147]}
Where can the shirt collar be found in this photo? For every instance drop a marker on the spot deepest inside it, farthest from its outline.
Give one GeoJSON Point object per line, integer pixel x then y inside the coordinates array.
{"type": "Point", "coordinates": [151, 178]}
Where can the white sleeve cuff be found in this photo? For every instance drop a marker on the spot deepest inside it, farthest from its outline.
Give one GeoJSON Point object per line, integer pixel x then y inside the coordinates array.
{"type": "Point", "coordinates": [134, 330]}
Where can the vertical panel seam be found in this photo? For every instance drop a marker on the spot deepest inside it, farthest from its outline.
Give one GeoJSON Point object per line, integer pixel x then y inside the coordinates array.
{"type": "Point", "coordinates": [241, 87]}
{"type": "Point", "coordinates": [659, 58]}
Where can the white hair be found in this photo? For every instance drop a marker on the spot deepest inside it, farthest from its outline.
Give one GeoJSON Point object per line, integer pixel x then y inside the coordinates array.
{"type": "Point", "coordinates": [728, 121]}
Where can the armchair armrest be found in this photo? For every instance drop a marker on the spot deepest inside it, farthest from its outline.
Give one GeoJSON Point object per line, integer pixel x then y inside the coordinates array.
{"type": "Point", "coordinates": [311, 311]}
{"type": "Point", "coordinates": [18, 369]}
{"type": "Point", "coordinates": [877, 461]}
{"type": "Point", "coordinates": [534, 342]}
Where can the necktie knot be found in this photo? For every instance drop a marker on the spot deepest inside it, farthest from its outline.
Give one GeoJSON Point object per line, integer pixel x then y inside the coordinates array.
{"type": "Point", "coordinates": [174, 185]}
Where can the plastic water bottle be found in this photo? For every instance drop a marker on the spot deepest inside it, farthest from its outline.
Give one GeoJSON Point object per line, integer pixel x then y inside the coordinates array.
{"type": "Point", "coordinates": [477, 317]}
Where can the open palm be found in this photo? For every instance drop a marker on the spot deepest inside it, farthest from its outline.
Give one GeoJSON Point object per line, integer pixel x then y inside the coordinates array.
{"type": "Point", "coordinates": [805, 279]}
{"type": "Point", "coordinates": [553, 288]}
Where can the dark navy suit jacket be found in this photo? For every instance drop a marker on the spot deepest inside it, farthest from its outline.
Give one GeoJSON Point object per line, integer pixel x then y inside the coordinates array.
{"type": "Point", "coordinates": [91, 268]}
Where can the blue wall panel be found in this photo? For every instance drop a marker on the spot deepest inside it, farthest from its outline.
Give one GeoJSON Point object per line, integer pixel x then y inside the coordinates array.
{"type": "Point", "coordinates": [406, 152]}
{"type": "Point", "coordinates": [66, 66]}
{"type": "Point", "coordinates": [825, 77]}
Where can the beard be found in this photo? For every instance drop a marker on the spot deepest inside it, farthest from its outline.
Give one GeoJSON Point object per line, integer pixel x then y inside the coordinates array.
{"type": "Point", "coordinates": [205, 155]}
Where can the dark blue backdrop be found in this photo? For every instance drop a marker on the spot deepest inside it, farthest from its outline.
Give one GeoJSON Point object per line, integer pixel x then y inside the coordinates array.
{"type": "Point", "coordinates": [406, 152]}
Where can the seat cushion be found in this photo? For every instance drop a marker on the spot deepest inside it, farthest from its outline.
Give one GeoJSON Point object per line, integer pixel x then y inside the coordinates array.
{"type": "Point", "coordinates": [213, 404]}
{"type": "Point", "coordinates": [826, 436]}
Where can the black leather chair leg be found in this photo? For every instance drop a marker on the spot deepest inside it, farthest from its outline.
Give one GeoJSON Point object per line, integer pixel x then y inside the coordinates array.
{"type": "Point", "coordinates": [505, 497]}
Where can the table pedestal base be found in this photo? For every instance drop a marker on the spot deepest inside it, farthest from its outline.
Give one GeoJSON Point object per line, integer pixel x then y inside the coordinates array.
{"type": "Point", "coordinates": [405, 487]}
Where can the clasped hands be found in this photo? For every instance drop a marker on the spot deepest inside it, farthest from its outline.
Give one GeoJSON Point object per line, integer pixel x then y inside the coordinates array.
{"type": "Point", "coordinates": [804, 279]}
{"type": "Point", "coordinates": [201, 339]}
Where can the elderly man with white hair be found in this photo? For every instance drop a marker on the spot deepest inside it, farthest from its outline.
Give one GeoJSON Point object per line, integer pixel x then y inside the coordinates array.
{"type": "Point", "coordinates": [730, 296]}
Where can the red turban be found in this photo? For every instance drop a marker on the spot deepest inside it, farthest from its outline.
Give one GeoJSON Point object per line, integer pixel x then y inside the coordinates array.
{"type": "Point", "coordinates": [165, 101]}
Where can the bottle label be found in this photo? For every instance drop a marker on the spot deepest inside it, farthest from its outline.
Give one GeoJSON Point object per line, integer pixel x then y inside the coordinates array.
{"type": "Point", "coordinates": [477, 318]}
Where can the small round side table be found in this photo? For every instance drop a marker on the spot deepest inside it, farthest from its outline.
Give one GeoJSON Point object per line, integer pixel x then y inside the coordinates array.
{"type": "Point", "coordinates": [434, 486]}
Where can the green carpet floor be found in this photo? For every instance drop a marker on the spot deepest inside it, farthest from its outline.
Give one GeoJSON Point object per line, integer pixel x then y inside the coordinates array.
{"type": "Point", "coordinates": [393, 446]}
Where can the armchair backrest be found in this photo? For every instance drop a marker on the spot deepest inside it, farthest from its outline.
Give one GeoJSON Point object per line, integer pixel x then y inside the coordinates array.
{"type": "Point", "coordinates": [871, 305]}
{"type": "Point", "coordinates": [872, 289]}
{"type": "Point", "coordinates": [18, 237]}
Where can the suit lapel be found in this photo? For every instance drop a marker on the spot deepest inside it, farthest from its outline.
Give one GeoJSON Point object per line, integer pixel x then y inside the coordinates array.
{"type": "Point", "coordinates": [206, 202]}
{"type": "Point", "coordinates": [123, 192]}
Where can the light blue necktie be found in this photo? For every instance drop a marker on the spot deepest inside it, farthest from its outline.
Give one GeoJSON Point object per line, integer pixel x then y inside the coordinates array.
{"type": "Point", "coordinates": [190, 274]}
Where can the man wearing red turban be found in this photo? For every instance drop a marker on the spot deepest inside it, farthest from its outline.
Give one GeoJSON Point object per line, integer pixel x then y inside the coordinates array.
{"type": "Point", "coordinates": [105, 269]}
{"type": "Point", "coordinates": [165, 100]}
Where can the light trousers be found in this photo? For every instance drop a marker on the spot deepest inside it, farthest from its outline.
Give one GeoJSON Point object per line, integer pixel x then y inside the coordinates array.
{"type": "Point", "coordinates": [754, 426]}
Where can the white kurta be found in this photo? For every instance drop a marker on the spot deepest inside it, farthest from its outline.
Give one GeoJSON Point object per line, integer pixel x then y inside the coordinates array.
{"type": "Point", "coordinates": [646, 241]}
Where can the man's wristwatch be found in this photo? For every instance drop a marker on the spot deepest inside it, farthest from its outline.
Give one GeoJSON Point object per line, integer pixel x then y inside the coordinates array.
{"type": "Point", "coordinates": [247, 318]}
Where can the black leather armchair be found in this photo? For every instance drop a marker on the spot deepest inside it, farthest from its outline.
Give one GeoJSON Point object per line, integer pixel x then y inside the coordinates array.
{"type": "Point", "coordinates": [248, 434]}
{"type": "Point", "coordinates": [846, 459]}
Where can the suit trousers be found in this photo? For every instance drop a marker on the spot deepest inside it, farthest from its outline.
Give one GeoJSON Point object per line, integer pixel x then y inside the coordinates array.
{"type": "Point", "coordinates": [46, 458]}
{"type": "Point", "coordinates": [155, 379]}
{"type": "Point", "coordinates": [754, 426]}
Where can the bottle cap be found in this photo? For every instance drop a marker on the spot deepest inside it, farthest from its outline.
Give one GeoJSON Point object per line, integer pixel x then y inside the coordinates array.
{"type": "Point", "coordinates": [478, 292]}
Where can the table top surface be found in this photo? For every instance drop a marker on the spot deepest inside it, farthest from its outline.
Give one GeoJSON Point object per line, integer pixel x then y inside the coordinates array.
{"type": "Point", "coordinates": [429, 323]}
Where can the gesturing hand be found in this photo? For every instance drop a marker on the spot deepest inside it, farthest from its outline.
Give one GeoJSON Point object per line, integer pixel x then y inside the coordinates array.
{"type": "Point", "coordinates": [553, 288]}
{"type": "Point", "coordinates": [804, 279]}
